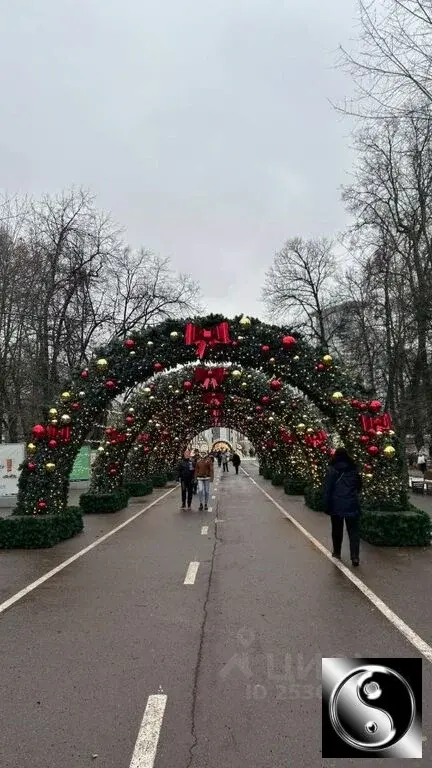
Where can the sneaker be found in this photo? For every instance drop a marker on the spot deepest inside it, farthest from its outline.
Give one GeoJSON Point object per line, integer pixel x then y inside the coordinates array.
{"type": "Point", "coordinates": [205, 507]}
{"type": "Point", "coordinates": [200, 507]}
{"type": "Point", "coordinates": [355, 562]}
{"type": "Point", "coordinates": [337, 555]}
{"type": "Point", "coordinates": [183, 506]}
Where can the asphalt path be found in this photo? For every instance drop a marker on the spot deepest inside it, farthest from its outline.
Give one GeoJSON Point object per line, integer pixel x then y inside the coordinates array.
{"type": "Point", "coordinates": [115, 661]}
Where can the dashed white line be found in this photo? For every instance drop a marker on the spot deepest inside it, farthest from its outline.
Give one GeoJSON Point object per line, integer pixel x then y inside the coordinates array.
{"type": "Point", "coordinates": [148, 737]}
{"type": "Point", "coordinates": [191, 573]}
{"type": "Point", "coordinates": [412, 637]}
{"type": "Point", "coordinates": [204, 530]}
{"type": "Point", "coordinates": [23, 592]}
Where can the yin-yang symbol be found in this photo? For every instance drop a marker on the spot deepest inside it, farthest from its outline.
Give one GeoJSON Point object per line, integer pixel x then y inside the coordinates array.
{"type": "Point", "coordinates": [372, 708]}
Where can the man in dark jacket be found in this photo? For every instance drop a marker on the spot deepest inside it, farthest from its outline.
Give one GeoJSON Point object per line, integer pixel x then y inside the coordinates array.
{"type": "Point", "coordinates": [236, 462]}
{"type": "Point", "coordinates": [186, 473]}
{"type": "Point", "coordinates": [341, 501]}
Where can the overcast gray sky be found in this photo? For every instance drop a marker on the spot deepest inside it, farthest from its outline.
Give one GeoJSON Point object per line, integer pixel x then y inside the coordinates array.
{"type": "Point", "coordinates": [204, 127]}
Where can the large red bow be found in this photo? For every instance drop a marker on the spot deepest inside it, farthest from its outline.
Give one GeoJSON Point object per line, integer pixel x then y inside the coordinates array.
{"type": "Point", "coordinates": [203, 337]}
{"type": "Point", "coordinates": [378, 423]}
{"type": "Point", "coordinates": [210, 377]}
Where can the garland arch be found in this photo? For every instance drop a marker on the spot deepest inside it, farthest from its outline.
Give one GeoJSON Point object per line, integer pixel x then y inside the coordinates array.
{"type": "Point", "coordinates": [195, 391]}
{"type": "Point", "coordinates": [283, 356]}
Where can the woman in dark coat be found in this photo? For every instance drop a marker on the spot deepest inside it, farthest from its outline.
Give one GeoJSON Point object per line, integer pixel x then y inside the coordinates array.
{"type": "Point", "coordinates": [341, 501]}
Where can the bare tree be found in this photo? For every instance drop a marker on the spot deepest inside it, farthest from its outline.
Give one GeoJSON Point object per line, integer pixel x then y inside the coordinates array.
{"type": "Point", "coordinates": [392, 67]}
{"type": "Point", "coordinates": [299, 286]}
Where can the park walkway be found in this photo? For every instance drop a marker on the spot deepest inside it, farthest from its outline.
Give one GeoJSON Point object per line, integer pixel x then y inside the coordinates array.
{"type": "Point", "coordinates": [222, 616]}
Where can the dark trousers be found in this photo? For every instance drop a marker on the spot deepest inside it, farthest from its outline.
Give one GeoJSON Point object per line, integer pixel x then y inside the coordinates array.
{"type": "Point", "coordinates": [225, 467]}
{"type": "Point", "coordinates": [353, 529]}
{"type": "Point", "coordinates": [187, 487]}
{"type": "Point", "coordinates": [236, 468]}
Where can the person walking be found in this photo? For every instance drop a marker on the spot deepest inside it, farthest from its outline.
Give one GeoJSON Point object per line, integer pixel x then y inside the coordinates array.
{"type": "Point", "coordinates": [219, 458]}
{"type": "Point", "coordinates": [422, 462]}
{"type": "Point", "coordinates": [196, 456]}
{"type": "Point", "coordinates": [225, 460]}
{"type": "Point", "coordinates": [341, 501]}
{"type": "Point", "coordinates": [236, 461]}
{"type": "Point", "coordinates": [186, 475]}
{"type": "Point", "coordinates": [204, 475]}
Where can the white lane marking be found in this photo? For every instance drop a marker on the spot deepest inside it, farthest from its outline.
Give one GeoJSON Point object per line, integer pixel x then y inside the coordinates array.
{"type": "Point", "coordinates": [213, 497]}
{"type": "Point", "coordinates": [210, 509]}
{"type": "Point", "coordinates": [191, 573]}
{"type": "Point", "coordinates": [204, 530]}
{"type": "Point", "coordinates": [393, 618]}
{"type": "Point", "coordinates": [148, 737]}
{"type": "Point", "coordinates": [23, 592]}
{"type": "Point", "coordinates": [219, 521]}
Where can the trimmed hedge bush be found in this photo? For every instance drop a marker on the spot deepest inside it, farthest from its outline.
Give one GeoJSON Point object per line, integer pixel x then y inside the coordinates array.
{"type": "Point", "coordinates": [39, 531]}
{"type": "Point", "coordinates": [159, 480]}
{"type": "Point", "coordinates": [294, 486]}
{"type": "Point", "coordinates": [92, 503]}
{"type": "Point", "coordinates": [260, 470]}
{"type": "Point", "coordinates": [313, 498]}
{"type": "Point", "coordinates": [409, 528]}
{"type": "Point", "coordinates": [141, 488]}
{"type": "Point", "coordinates": [277, 479]}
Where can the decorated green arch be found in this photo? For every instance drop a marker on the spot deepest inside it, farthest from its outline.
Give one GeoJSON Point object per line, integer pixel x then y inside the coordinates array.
{"type": "Point", "coordinates": [285, 358]}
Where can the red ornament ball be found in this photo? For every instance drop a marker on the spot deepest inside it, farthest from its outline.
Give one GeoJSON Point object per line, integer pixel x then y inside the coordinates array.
{"type": "Point", "coordinates": [258, 409]}
{"type": "Point", "coordinates": [355, 403]}
{"type": "Point", "coordinates": [84, 374]}
{"type": "Point", "coordinates": [265, 348]}
{"type": "Point", "coordinates": [42, 505]}
{"type": "Point", "coordinates": [31, 466]}
{"type": "Point", "coordinates": [110, 384]}
{"type": "Point", "coordinates": [275, 385]}
{"type": "Point", "coordinates": [364, 439]}
{"type": "Point", "coordinates": [113, 471]}
{"type": "Point", "coordinates": [375, 406]}
{"type": "Point", "coordinates": [129, 343]}
{"type": "Point", "coordinates": [320, 367]}
{"type": "Point", "coordinates": [75, 406]}
{"type": "Point", "coordinates": [188, 386]}
{"type": "Point", "coordinates": [130, 419]}
{"type": "Point", "coordinates": [367, 468]}
{"type": "Point", "coordinates": [52, 444]}
{"type": "Point", "coordinates": [39, 431]}
{"type": "Point", "coordinates": [373, 450]}
{"type": "Point", "coordinates": [158, 367]}
{"type": "Point", "coordinates": [288, 342]}
{"type": "Point", "coordinates": [265, 399]}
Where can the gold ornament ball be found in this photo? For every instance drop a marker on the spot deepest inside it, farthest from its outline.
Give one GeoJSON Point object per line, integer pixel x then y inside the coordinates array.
{"type": "Point", "coordinates": [270, 418]}
{"type": "Point", "coordinates": [244, 383]}
{"type": "Point", "coordinates": [66, 419]}
{"type": "Point", "coordinates": [53, 412]}
{"type": "Point", "coordinates": [379, 433]}
{"type": "Point", "coordinates": [81, 394]}
{"type": "Point", "coordinates": [131, 410]}
{"type": "Point", "coordinates": [389, 451]}
{"type": "Point", "coordinates": [245, 322]}
{"type": "Point", "coordinates": [309, 430]}
{"type": "Point", "coordinates": [327, 359]}
{"type": "Point", "coordinates": [54, 421]}
{"type": "Point", "coordinates": [337, 397]}
{"type": "Point", "coordinates": [392, 432]}
{"type": "Point", "coordinates": [369, 476]}
{"type": "Point", "coordinates": [102, 364]}
{"type": "Point", "coordinates": [66, 396]}
{"type": "Point", "coordinates": [31, 448]}
{"type": "Point", "coordinates": [296, 357]}
{"type": "Point", "coordinates": [301, 427]}
{"type": "Point", "coordinates": [146, 391]}
{"type": "Point", "coordinates": [174, 335]}
{"type": "Point", "coordinates": [50, 467]}
{"type": "Point", "coordinates": [236, 374]}
{"type": "Point", "coordinates": [149, 343]}
{"type": "Point", "coordinates": [272, 360]}
{"type": "Point", "coordinates": [132, 353]}
{"type": "Point", "coordinates": [152, 397]}
{"type": "Point", "coordinates": [101, 449]}
{"type": "Point", "coordinates": [240, 338]}
{"type": "Point", "coordinates": [177, 392]}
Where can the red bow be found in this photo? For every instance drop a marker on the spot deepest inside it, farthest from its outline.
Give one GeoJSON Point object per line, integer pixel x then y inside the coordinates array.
{"type": "Point", "coordinates": [201, 336]}
{"type": "Point", "coordinates": [210, 377]}
{"type": "Point", "coordinates": [378, 423]}
{"type": "Point", "coordinates": [210, 398]}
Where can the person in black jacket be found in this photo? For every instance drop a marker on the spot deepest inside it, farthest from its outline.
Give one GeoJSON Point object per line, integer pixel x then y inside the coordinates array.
{"type": "Point", "coordinates": [186, 475]}
{"type": "Point", "coordinates": [341, 501]}
{"type": "Point", "coordinates": [236, 462]}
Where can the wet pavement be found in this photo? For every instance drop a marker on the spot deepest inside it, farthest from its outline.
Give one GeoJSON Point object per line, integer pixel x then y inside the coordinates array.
{"type": "Point", "coordinates": [237, 652]}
